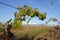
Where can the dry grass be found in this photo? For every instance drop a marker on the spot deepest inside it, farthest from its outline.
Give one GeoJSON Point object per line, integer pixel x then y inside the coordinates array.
{"type": "Point", "coordinates": [31, 31]}
{"type": "Point", "coordinates": [28, 31]}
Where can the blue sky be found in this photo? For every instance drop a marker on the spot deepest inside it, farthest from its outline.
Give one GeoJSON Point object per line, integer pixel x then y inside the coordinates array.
{"type": "Point", "coordinates": [51, 7]}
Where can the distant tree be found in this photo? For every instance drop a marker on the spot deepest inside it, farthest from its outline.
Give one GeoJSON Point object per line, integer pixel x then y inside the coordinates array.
{"type": "Point", "coordinates": [52, 19]}
{"type": "Point", "coordinates": [1, 27]}
{"type": "Point", "coordinates": [26, 11]}
{"type": "Point", "coordinates": [0, 24]}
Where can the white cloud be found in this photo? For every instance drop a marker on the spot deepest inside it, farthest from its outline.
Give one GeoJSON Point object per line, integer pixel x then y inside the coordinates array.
{"type": "Point", "coordinates": [29, 22]}
{"type": "Point", "coordinates": [32, 23]}
{"type": "Point", "coordinates": [24, 22]}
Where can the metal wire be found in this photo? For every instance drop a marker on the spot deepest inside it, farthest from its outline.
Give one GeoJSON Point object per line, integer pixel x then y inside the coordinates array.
{"type": "Point", "coordinates": [8, 5]}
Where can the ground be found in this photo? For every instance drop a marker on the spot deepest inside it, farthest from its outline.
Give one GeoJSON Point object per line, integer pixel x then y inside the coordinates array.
{"type": "Point", "coordinates": [31, 33]}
